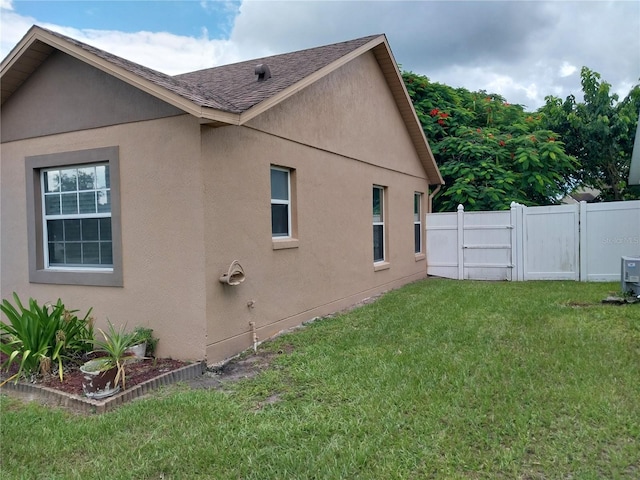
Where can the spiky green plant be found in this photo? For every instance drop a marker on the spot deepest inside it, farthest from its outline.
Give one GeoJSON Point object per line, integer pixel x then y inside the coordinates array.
{"type": "Point", "coordinates": [115, 346]}
{"type": "Point", "coordinates": [38, 336]}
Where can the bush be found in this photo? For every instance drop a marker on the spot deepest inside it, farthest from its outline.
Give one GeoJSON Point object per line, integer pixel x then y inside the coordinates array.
{"type": "Point", "coordinates": [37, 337]}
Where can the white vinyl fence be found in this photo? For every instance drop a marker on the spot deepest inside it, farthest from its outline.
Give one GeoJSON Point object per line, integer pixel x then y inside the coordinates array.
{"type": "Point", "coordinates": [582, 241]}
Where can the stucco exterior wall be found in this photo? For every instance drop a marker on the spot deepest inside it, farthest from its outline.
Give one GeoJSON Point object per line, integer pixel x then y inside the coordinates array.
{"type": "Point", "coordinates": [342, 135]}
{"type": "Point", "coordinates": [66, 95]}
{"type": "Point", "coordinates": [162, 234]}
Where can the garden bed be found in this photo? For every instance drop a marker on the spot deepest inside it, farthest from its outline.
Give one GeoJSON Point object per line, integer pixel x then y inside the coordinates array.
{"type": "Point", "coordinates": [142, 377]}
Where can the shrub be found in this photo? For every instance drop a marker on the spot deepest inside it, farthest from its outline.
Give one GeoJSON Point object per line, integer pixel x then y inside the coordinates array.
{"type": "Point", "coordinates": [37, 337]}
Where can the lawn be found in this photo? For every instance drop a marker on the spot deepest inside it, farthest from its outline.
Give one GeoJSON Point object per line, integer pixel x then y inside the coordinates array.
{"type": "Point", "coordinates": [439, 379]}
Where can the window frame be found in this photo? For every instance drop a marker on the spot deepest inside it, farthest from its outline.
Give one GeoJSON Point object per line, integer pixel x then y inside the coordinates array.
{"type": "Point", "coordinates": [379, 223]}
{"type": "Point", "coordinates": [417, 203]}
{"type": "Point", "coordinates": [290, 240]}
{"type": "Point", "coordinates": [39, 271]}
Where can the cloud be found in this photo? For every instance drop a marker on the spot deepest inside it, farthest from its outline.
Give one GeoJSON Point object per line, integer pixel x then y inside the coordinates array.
{"type": "Point", "coordinates": [520, 50]}
{"type": "Point", "coordinates": [6, 5]}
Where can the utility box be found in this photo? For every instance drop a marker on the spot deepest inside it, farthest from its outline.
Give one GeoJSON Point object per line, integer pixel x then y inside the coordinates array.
{"type": "Point", "coordinates": [630, 275]}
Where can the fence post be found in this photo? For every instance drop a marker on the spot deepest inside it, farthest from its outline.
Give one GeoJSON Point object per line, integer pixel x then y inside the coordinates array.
{"type": "Point", "coordinates": [582, 232]}
{"type": "Point", "coordinates": [517, 243]}
{"type": "Point", "coordinates": [460, 242]}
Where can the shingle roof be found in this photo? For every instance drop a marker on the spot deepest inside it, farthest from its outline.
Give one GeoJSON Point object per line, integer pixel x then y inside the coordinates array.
{"type": "Point", "coordinates": [234, 88]}
{"type": "Point", "coordinates": [237, 84]}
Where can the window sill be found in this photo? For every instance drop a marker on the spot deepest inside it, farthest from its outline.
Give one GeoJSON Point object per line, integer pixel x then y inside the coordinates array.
{"type": "Point", "coordinates": [420, 257]}
{"type": "Point", "coordinates": [381, 266]}
{"type": "Point", "coordinates": [285, 243]}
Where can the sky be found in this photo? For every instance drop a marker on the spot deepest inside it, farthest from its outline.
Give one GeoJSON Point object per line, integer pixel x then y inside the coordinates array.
{"type": "Point", "coordinates": [522, 50]}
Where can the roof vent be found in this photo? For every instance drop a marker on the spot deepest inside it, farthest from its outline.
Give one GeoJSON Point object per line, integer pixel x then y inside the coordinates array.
{"type": "Point", "coordinates": [263, 72]}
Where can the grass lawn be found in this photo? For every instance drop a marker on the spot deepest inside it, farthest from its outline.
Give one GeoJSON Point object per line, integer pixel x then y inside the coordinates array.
{"type": "Point", "coordinates": [440, 379]}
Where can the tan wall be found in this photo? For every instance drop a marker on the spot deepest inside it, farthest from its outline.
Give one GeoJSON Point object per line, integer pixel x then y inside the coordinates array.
{"type": "Point", "coordinates": [350, 150]}
{"type": "Point", "coordinates": [162, 234]}
{"type": "Point", "coordinates": [65, 95]}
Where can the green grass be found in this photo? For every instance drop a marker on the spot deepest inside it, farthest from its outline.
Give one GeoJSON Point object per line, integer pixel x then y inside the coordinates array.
{"type": "Point", "coordinates": [440, 379]}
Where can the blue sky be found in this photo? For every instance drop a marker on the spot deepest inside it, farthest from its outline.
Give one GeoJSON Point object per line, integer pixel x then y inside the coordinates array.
{"type": "Point", "coordinates": [523, 50]}
{"type": "Point", "coordinates": [179, 17]}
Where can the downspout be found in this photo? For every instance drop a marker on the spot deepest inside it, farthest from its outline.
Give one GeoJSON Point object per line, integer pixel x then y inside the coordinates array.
{"type": "Point", "coordinates": [430, 200]}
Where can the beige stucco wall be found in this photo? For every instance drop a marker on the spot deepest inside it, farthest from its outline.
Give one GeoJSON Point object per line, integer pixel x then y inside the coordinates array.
{"type": "Point", "coordinates": [162, 234]}
{"type": "Point", "coordinates": [342, 135]}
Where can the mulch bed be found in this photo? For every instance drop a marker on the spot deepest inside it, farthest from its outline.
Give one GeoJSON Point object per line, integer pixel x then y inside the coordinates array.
{"type": "Point", "coordinates": [136, 372]}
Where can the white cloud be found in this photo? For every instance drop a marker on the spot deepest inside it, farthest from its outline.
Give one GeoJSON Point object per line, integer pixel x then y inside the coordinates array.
{"type": "Point", "coordinates": [566, 69]}
{"type": "Point", "coordinates": [6, 5]}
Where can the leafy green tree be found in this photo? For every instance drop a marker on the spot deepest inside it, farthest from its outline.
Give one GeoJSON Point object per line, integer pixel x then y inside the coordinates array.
{"type": "Point", "coordinates": [490, 152]}
{"type": "Point", "coordinates": [599, 132]}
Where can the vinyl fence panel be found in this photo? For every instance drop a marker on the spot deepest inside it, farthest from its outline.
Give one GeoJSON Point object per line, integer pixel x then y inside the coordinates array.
{"type": "Point", "coordinates": [551, 242]}
{"type": "Point", "coordinates": [609, 232]}
{"type": "Point", "coordinates": [560, 242]}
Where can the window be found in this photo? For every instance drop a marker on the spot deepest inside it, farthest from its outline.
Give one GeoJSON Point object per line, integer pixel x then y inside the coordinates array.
{"type": "Point", "coordinates": [76, 202]}
{"type": "Point", "coordinates": [417, 222]}
{"type": "Point", "coordinates": [74, 218]}
{"type": "Point", "coordinates": [280, 202]}
{"type": "Point", "coordinates": [378, 224]}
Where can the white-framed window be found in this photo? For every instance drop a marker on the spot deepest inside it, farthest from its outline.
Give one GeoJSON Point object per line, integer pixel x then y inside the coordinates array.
{"type": "Point", "coordinates": [74, 229]}
{"type": "Point", "coordinates": [417, 222]}
{"type": "Point", "coordinates": [280, 202]}
{"type": "Point", "coordinates": [76, 206]}
{"type": "Point", "coordinates": [378, 224]}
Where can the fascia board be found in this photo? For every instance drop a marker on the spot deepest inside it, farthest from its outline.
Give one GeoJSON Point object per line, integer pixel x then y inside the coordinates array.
{"type": "Point", "coordinates": [405, 106]}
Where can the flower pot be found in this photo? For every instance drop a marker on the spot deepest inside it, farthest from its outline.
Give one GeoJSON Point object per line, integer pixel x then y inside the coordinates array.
{"type": "Point", "coordinates": [138, 351]}
{"type": "Point", "coordinates": [99, 378]}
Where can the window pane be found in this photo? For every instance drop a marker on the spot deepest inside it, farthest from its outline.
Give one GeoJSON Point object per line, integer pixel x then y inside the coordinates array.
{"type": "Point", "coordinates": [378, 243]}
{"type": "Point", "coordinates": [56, 253]}
{"type": "Point", "coordinates": [106, 254]}
{"type": "Point", "coordinates": [416, 207]}
{"type": "Point", "coordinates": [69, 180]}
{"type": "Point", "coordinates": [105, 229]}
{"type": "Point", "coordinates": [91, 253]}
{"type": "Point", "coordinates": [279, 184]}
{"type": "Point", "coordinates": [71, 230]}
{"type": "Point", "coordinates": [280, 220]}
{"type": "Point", "coordinates": [89, 229]}
{"type": "Point", "coordinates": [52, 181]}
{"type": "Point", "coordinates": [69, 203]}
{"type": "Point", "coordinates": [104, 201]}
{"type": "Point", "coordinates": [55, 232]}
{"type": "Point", "coordinates": [52, 204]}
{"type": "Point", "coordinates": [377, 204]}
{"type": "Point", "coordinates": [86, 178]}
{"type": "Point", "coordinates": [416, 236]}
{"type": "Point", "coordinates": [87, 202]}
{"type": "Point", "coordinates": [73, 253]}
{"type": "Point", "coordinates": [102, 176]}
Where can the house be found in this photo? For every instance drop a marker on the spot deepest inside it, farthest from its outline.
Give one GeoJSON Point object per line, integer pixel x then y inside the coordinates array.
{"type": "Point", "coordinates": [212, 206]}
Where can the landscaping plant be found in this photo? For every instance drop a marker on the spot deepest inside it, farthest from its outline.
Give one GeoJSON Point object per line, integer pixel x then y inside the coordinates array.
{"type": "Point", "coordinates": [115, 346]}
{"type": "Point", "coordinates": [38, 336]}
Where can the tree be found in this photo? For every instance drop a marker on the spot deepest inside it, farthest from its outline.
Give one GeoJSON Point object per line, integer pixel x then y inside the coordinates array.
{"type": "Point", "coordinates": [599, 132]}
{"type": "Point", "coordinates": [490, 153]}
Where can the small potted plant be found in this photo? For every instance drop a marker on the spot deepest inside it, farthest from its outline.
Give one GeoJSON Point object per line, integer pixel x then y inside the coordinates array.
{"type": "Point", "coordinates": [144, 342]}
{"type": "Point", "coordinates": [104, 375]}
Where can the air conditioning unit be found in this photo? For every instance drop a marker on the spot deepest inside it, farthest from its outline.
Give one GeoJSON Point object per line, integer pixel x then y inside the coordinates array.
{"type": "Point", "coordinates": [630, 275]}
